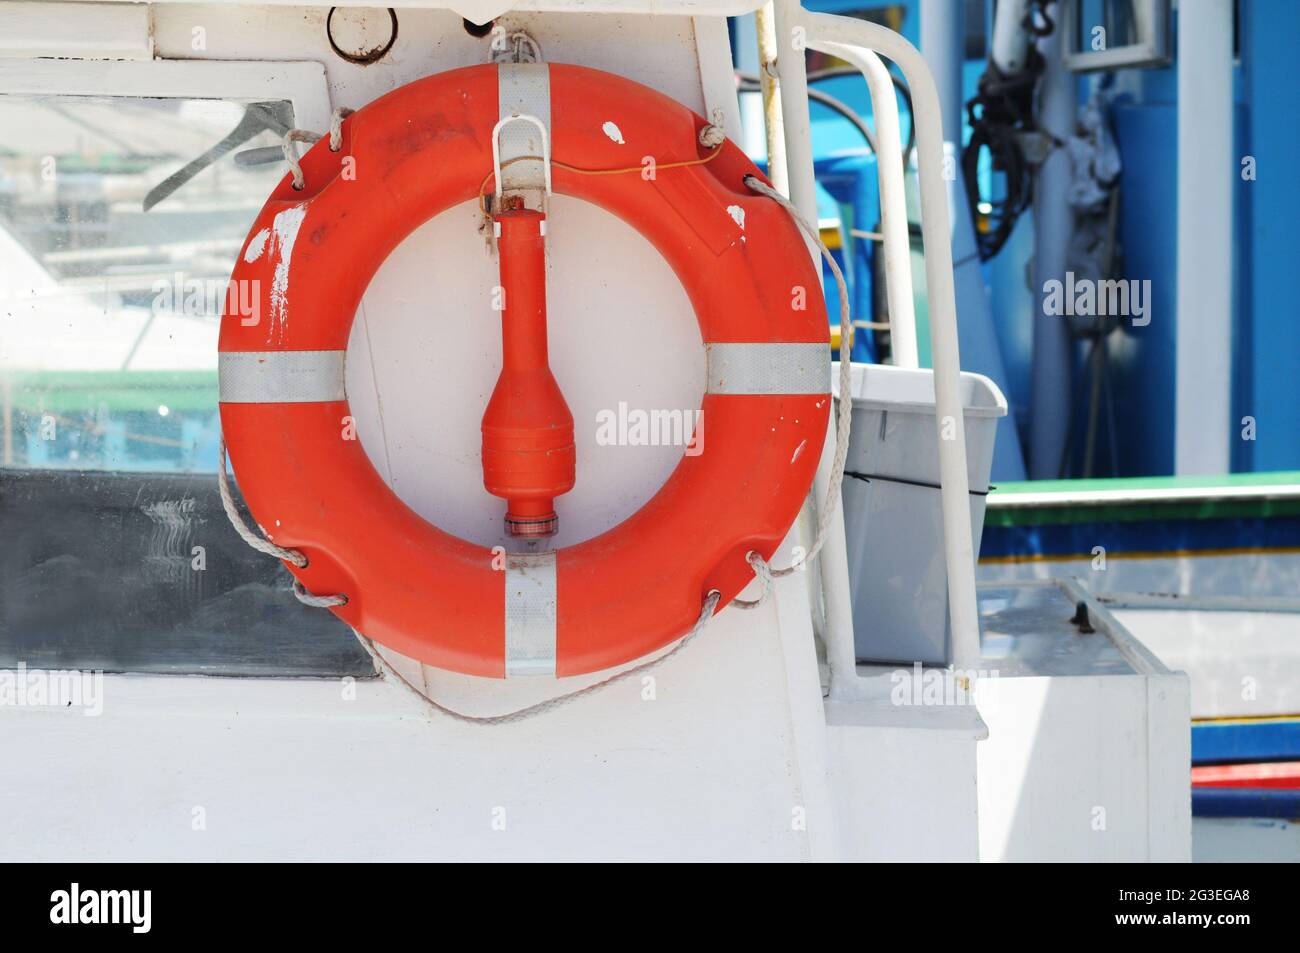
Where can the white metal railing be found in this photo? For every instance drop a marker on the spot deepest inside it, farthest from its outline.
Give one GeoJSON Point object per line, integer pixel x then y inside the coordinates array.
{"type": "Point", "coordinates": [859, 42]}
{"type": "Point", "coordinates": [896, 241]}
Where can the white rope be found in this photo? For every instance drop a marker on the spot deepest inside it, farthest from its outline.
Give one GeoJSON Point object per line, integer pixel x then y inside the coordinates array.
{"type": "Point", "coordinates": [336, 127]}
{"type": "Point", "coordinates": [263, 545]}
{"type": "Point", "coordinates": [550, 704]}
{"type": "Point", "coordinates": [290, 150]}
{"type": "Point", "coordinates": [317, 602]}
{"type": "Point", "coordinates": [712, 136]}
{"type": "Point", "coordinates": [291, 154]}
{"type": "Point", "coordinates": [519, 47]}
{"type": "Point", "coordinates": [762, 571]}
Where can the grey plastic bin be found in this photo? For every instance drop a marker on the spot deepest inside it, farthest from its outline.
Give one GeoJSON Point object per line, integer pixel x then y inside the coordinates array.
{"type": "Point", "coordinates": [893, 517]}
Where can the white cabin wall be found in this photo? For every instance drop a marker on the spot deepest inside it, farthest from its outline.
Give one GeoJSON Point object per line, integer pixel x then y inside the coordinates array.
{"type": "Point", "coordinates": [658, 51]}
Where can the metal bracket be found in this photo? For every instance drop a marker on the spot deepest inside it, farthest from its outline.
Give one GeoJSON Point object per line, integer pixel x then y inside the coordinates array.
{"type": "Point", "coordinates": [497, 171]}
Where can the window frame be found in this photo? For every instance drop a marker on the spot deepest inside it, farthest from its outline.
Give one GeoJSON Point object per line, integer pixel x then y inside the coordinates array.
{"type": "Point", "coordinates": [308, 643]}
{"type": "Point", "coordinates": [1153, 51]}
{"type": "Point", "coordinates": [302, 83]}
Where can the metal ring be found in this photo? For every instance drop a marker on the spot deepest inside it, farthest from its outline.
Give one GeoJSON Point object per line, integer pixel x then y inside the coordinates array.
{"type": "Point", "coordinates": [370, 56]}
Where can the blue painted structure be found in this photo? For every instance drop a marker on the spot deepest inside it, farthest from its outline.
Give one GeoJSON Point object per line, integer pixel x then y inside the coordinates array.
{"type": "Point", "coordinates": [1245, 742]}
{"type": "Point", "coordinates": [1262, 250]}
{"type": "Point", "coordinates": [1267, 365]}
{"type": "Point", "coordinates": [849, 179]}
{"type": "Point", "coordinates": [1235, 742]}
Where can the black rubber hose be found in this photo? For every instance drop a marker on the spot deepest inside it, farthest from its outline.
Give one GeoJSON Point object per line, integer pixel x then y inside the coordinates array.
{"type": "Point", "coordinates": [826, 99]}
{"type": "Point", "coordinates": [835, 72]}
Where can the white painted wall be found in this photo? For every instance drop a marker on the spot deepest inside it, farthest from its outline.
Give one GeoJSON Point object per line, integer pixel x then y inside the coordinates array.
{"type": "Point", "coordinates": [905, 793]}
{"type": "Point", "coordinates": [428, 353]}
{"type": "Point", "coordinates": [1085, 768]}
{"type": "Point", "coordinates": [289, 770]}
{"type": "Point", "coordinates": [1242, 664]}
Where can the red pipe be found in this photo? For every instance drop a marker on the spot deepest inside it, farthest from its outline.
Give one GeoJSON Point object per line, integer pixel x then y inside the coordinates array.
{"type": "Point", "coordinates": [528, 452]}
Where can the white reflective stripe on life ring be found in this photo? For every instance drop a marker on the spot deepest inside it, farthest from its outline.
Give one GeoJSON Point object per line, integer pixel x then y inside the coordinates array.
{"type": "Point", "coordinates": [768, 368]}
{"type": "Point", "coordinates": [280, 377]}
{"type": "Point", "coordinates": [530, 614]}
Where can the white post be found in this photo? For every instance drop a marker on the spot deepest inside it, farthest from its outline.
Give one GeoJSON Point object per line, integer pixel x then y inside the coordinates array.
{"type": "Point", "coordinates": [1206, 172]}
{"type": "Point", "coordinates": [833, 564]}
{"type": "Point", "coordinates": [1010, 46]}
{"type": "Point", "coordinates": [1049, 415]}
{"type": "Point", "coordinates": [943, 44]}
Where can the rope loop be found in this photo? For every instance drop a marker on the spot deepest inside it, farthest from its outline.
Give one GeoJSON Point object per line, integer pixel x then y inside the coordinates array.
{"type": "Point", "coordinates": [291, 154]}
{"type": "Point", "coordinates": [336, 127]}
{"type": "Point", "coordinates": [262, 544]}
{"type": "Point", "coordinates": [762, 572]}
{"type": "Point", "coordinates": [515, 47]}
{"type": "Point", "coordinates": [317, 602]}
{"type": "Point", "coordinates": [712, 136]}
{"type": "Point", "coordinates": [709, 606]}
{"type": "Point", "coordinates": [291, 158]}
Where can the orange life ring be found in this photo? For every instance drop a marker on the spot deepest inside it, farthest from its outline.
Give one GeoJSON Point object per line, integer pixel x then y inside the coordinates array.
{"type": "Point", "coordinates": [432, 596]}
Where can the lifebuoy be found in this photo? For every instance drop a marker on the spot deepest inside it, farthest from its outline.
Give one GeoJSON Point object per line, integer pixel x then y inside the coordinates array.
{"type": "Point", "coordinates": [429, 595]}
